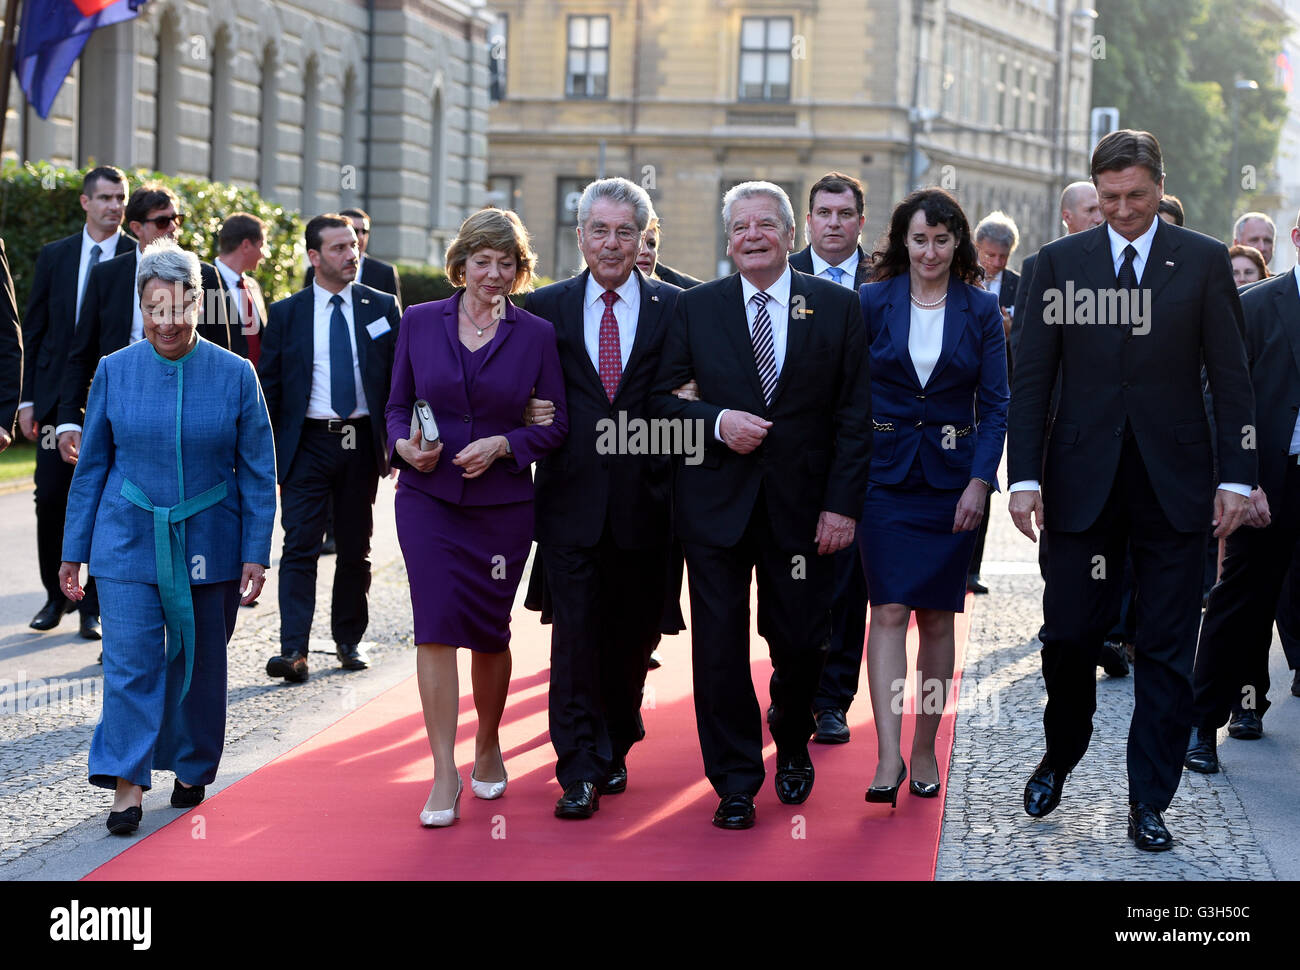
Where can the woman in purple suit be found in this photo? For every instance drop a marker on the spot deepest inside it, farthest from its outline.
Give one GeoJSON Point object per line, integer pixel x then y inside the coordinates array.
{"type": "Point", "coordinates": [465, 505]}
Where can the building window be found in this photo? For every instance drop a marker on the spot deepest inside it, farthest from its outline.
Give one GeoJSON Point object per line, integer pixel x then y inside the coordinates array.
{"type": "Point", "coordinates": [948, 86]}
{"type": "Point", "coordinates": [588, 63]}
{"type": "Point", "coordinates": [969, 80]}
{"type": "Point", "coordinates": [568, 259]}
{"type": "Point", "coordinates": [986, 86]}
{"type": "Point", "coordinates": [765, 58]}
{"type": "Point", "coordinates": [1004, 95]}
{"type": "Point", "coordinates": [503, 192]}
{"type": "Point", "coordinates": [497, 56]}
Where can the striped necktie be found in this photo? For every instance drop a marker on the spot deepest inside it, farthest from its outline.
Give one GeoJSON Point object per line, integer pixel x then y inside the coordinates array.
{"type": "Point", "coordinates": [764, 348]}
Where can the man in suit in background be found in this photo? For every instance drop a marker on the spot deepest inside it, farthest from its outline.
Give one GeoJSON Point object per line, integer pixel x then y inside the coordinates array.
{"type": "Point", "coordinates": [242, 245]}
{"type": "Point", "coordinates": [837, 211]}
{"type": "Point", "coordinates": [11, 353]}
{"type": "Point", "coordinates": [1232, 658]}
{"type": "Point", "coordinates": [603, 523]}
{"type": "Point", "coordinates": [326, 367]}
{"type": "Point", "coordinates": [1258, 230]}
{"type": "Point", "coordinates": [54, 307]}
{"type": "Point", "coordinates": [111, 317]}
{"type": "Point", "coordinates": [779, 358]}
{"type": "Point", "coordinates": [371, 272]}
{"type": "Point", "coordinates": [1125, 313]}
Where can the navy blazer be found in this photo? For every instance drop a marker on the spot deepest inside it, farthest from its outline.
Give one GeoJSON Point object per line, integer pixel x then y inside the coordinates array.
{"type": "Point", "coordinates": [937, 420]}
{"type": "Point", "coordinates": [1272, 311]}
{"type": "Point", "coordinates": [521, 357]}
{"type": "Point", "coordinates": [285, 366]}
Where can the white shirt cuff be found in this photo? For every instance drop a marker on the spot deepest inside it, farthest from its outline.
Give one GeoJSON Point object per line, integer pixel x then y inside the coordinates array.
{"type": "Point", "coordinates": [66, 427]}
{"type": "Point", "coordinates": [717, 425]}
{"type": "Point", "coordinates": [1236, 487]}
{"type": "Point", "coordinates": [1025, 486]}
{"type": "Point", "coordinates": [26, 404]}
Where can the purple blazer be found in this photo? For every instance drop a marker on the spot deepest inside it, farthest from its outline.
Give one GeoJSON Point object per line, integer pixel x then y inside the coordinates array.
{"type": "Point", "coordinates": [523, 356]}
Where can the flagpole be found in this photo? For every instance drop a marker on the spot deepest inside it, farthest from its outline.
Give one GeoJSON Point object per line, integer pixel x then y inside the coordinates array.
{"type": "Point", "coordinates": [7, 63]}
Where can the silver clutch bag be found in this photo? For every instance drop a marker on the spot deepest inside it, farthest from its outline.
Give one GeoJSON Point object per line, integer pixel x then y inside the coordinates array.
{"type": "Point", "coordinates": [422, 419]}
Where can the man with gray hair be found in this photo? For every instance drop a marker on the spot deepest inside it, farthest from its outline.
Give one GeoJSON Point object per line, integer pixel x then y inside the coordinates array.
{"type": "Point", "coordinates": [779, 359]}
{"type": "Point", "coordinates": [1255, 229]}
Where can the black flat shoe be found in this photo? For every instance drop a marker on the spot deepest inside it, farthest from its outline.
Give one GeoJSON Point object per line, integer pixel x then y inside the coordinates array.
{"type": "Point", "coordinates": [49, 616]}
{"type": "Point", "coordinates": [1146, 827]}
{"type": "Point", "coordinates": [580, 800]}
{"type": "Point", "coordinates": [124, 822]}
{"type": "Point", "coordinates": [794, 777]}
{"type": "Point", "coordinates": [1114, 659]}
{"type": "Point", "coordinates": [735, 812]}
{"type": "Point", "coordinates": [1202, 752]}
{"type": "Point", "coordinates": [1295, 684]}
{"type": "Point", "coordinates": [1043, 790]}
{"type": "Point", "coordinates": [90, 627]}
{"type": "Point", "coordinates": [832, 728]}
{"type": "Point", "coordinates": [183, 797]}
{"type": "Point", "coordinates": [887, 793]}
{"type": "Point", "coordinates": [292, 669]}
{"type": "Point", "coordinates": [615, 782]}
{"type": "Point", "coordinates": [1246, 726]}
{"type": "Point", "coordinates": [350, 656]}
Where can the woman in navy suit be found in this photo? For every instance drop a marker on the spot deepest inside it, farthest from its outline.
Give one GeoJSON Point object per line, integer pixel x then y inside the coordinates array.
{"type": "Point", "coordinates": [937, 348]}
{"type": "Point", "coordinates": [465, 507]}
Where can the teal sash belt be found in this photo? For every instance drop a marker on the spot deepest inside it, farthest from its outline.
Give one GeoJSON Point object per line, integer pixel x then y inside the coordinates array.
{"type": "Point", "coordinates": [173, 571]}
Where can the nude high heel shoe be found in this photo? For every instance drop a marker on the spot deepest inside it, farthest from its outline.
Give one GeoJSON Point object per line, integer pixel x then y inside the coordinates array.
{"type": "Point", "coordinates": [487, 790]}
{"type": "Point", "coordinates": [443, 818]}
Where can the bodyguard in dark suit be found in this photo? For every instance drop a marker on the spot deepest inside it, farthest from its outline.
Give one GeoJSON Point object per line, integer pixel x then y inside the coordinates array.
{"type": "Point", "coordinates": [54, 305]}
{"type": "Point", "coordinates": [242, 245]}
{"type": "Point", "coordinates": [779, 360]}
{"type": "Point", "coordinates": [1232, 657]}
{"type": "Point", "coordinates": [371, 272]}
{"type": "Point", "coordinates": [326, 370]}
{"type": "Point", "coordinates": [836, 214]}
{"type": "Point", "coordinates": [1126, 313]}
{"type": "Point", "coordinates": [602, 513]}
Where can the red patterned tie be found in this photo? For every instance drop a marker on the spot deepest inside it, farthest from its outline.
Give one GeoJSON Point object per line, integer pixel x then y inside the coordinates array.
{"type": "Point", "coordinates": [249, 325]}
{"type": "Point", "coordinates": [611, 357]}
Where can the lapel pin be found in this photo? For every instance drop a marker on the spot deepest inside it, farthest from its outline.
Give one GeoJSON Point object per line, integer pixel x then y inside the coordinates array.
{"type": "Point", "coordinates": [653, 298]}
{"type": "Point", "coordinates": [1169, 262]}
{"type": "Point", "coordinates": [364, 300]}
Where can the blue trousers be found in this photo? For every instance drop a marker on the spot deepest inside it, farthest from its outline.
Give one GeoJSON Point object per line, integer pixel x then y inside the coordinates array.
{"type": "Point", "coordinates": [143, 726]}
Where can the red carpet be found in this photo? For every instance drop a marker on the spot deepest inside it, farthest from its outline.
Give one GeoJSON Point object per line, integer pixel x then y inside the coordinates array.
{"type": "Point", "coordinates": [345, 804]}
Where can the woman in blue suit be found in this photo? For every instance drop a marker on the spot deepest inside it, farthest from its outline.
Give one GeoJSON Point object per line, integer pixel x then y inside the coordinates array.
{"type": "Point", "coordinates": [937, 348]}
{"type": "Point", "coordinates": [172, 504]}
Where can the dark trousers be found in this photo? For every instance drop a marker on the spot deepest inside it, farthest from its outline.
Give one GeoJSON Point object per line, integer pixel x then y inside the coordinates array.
{"type": "Point", "coordinates": [838, 684]}
{"type": "Point", "coordinates": [323, 468]}
{"type": "Point", "coordinates": [1084, 577]}
{"type": "Point", "coordinates": [977, 554]}
{"type": "Point", "coordinates": [606, 605]}
{"type": "Point", "coordinates": [794, 599]}
{"type": "Point", "coordinates": [1288, 614]}
{"type": "Point", "coordinates": [53, 478]}
{"type": "Point", "coordinates": [1232, 657]}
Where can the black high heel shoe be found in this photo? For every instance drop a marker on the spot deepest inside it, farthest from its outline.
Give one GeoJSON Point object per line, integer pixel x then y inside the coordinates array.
{"type": "Point", "coordinates": [887, 793]}
{"type": "Point", "coordinates": [923, 789]}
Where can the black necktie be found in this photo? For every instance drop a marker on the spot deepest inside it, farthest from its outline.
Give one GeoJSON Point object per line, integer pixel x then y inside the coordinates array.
{"type": "Point", "coordinates": [95, 253]}
{"type": "Point", "coordinates": [1127, 277]}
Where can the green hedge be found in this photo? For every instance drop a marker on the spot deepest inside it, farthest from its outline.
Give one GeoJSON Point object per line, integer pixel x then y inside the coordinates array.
{"type": "Point", "coordinates": [424, 284]}
{"type": "Point", "coordinates": [39, 204]}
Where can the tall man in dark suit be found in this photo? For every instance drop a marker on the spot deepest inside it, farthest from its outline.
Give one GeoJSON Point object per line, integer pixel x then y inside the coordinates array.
{"type": "Point", "coordinates": [326, 367]}
{"type": "Point", "coordinates": [837, 211]}
{"type": "Point", "coordinates": [242, 245]}
{"type": "Point", "coordinates": [779, 358]}
{"type": "Point", "coordinates": [1232, 658]}
{"type": "Point", "coordinates": [110, 311]}
{"type": "Point", "coordinates": [371, 272]}
{"type": "Point", "coordinates": [1126, 313]}
{"type": "Point", "coordinates": [54, 306]}
{"type": "Point", "coordinates": [603, 525]}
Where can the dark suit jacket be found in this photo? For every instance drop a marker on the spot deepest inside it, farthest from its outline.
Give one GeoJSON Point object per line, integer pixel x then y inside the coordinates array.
{"type": "Point", "coordinates": [936, 420]}
{"type": "Point", "coordinates": [817, 454]}
{"type": "Point", "coordinates": [802, 261]}
{"type": "Point", "coordinates": [579, 488]}
{"type": "Point", "coordinates": [1022, 297]}
{"type": "Point", "coordinates": [675, 277]}
{"type": "Point", "coordinates": [1272, 311]}
{"type": "Point", "coordinates": [285, 367]}
{"type": "Point", "coordinates": [11, 347]}
{"type": "Point", "coordinates": [232, 336]}
{"type": "Point", "coordinates": [105, 326]}
{"type": "Point", "coordinates": [376, 274]}
{"type": "Point", "coordinates": [50, 319]}
{"type": "Point", "coordinates": [1111, 375]}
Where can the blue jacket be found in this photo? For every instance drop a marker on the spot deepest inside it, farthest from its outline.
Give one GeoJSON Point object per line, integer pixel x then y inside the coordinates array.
{"type": "Point", "coordinates": [175, 429]}
{"type": "Point", "coordinates": [937, 420]}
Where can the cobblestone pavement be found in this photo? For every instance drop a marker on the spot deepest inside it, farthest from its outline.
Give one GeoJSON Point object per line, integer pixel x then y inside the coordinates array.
{"type": "Point", "coordinates": [999, 740]}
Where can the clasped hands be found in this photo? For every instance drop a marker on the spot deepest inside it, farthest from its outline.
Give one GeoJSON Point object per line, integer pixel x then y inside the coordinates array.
{"type": "Point", "coordinates": [475, 458]}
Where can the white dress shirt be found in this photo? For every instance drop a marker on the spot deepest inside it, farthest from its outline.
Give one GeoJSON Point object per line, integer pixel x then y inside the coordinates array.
{"type": "Point", "coordinates": [994, 285]}
{"type": "Point", "coordinates": [627, 310]}
{"type": "Point", "coordinates": [232, 283]}
{"type": "Point", "coordinates": [319, 406]}
{"type": "Point", "coordinates": [925, 341]}
{"type": "Point", "coordinates": [850, 267]}
{"type": "Point", "coordinates": [778, 310]}
{"type": "Point", "coordinates": [107, 250]}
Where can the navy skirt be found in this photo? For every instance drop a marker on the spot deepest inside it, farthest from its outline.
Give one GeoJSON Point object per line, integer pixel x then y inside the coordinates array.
{"type": "Point", "coordinates": [464, 563]}
{"type": "Point", "coordinates": [909, 552]}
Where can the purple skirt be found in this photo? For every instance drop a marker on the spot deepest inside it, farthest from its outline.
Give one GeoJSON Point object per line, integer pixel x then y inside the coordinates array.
{"type": "Point", "coordinates": [464, 563]}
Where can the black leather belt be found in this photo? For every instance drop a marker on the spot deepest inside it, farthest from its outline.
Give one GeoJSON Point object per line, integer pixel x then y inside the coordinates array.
{"type": "Point", "coordinates": [334, 425]}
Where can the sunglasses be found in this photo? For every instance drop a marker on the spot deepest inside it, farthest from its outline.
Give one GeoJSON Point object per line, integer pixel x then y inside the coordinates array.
{"type": "Point", "coordinates": [163, 222]}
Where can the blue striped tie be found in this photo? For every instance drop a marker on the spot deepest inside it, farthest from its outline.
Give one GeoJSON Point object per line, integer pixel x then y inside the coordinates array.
{"type": "Point", "coordinates": [764, 349]}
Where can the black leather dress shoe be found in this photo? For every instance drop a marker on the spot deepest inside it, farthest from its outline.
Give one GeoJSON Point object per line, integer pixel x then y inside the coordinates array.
{"type": "Point", "coordinates": [327, 547]}
{"type": "Point", "coordinates": [50, 614]}
{"type": "Point", "coordinates": [1146, 827]}
{"type": "Point", "coordinates": [292, 669]}
{"type": "Point", "coordinates": [125, 822]}
{"type": "Point", "coordinates": [90, 627]}
{"type": "Point", "coordinates": [1295, 684]}
{"type": "Point", "coordinates": [1202, 751]}
{"type": "Point", "coordinates": [615, 782]}
{"type": "Point", "coordinates": [735, 812]}
{"type": "Point", "coordinates": [771, 713]}
{"type": "Point", "coordinates": [580, 800]}
{"type": "Point", "coordinates": [1043, 790]}
{"type": "Point", "coordinates": [794, 777]}
{"type": "Point", "coordinates": [350, 656]}
{"type": "Point", "coordinates": [183, 797]}
{"type": "Point", "coordinates": [1246, 726]}
{"type": "Point", "coordinates": [1114, 659]}
{"type": "Point", "coordinates": [832, 728]}
{"type": "Point", "coordinates": [975, 585]}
